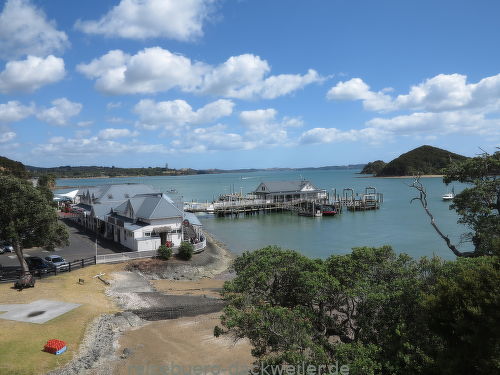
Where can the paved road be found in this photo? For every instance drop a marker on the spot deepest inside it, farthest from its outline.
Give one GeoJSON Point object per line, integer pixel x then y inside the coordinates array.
{"type": "Point", "coordinates": [82, 245]}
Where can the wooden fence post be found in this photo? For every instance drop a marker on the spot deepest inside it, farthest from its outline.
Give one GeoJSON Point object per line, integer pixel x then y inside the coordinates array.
{"type": "Point", "coordinates": [83, 263]}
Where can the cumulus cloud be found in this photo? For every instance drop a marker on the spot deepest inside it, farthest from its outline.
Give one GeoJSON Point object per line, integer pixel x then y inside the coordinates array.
{"type": "Point", "coordinates": [331, 135]}
{"type": "Point", "coordinates": [175, 113]}
{"type": "Point", "coordinates": [13, 111]}
{"type": "Point", "coordinates": [441, 105]}
{"type": "Point", "coordinates": [25, 30]}
{"type": "Point", "coordinates": [111, 133]}
{"type": "Point", "coordinates": [30, 74]}
{"type": "Point", "coordinates": [263, 127]}
{"type": "Point", "coordinates": [156, 69]}
{"type": "Point", "coordinates": [7, 136]}
{"type": "Point", "coordinates": [443, 92]}
{"type": "Point", "coordinates": [356, 89]}
{"type": "Point", "coordinates": [150, 70]}
{"type": "Point", "coordinates": [142, 19]}
{"type": "Point", "coordinates": [60, 113]}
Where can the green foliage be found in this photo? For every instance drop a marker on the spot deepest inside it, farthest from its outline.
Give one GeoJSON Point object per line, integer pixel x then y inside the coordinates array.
{"type": "Point", "coordinates": [422, 160]}
{"type": "Point", "coordinates": [462, 310]}
{"type": "Point", "coordinates": [186, 250]}
{"type": "Point", "coordinates": [373, 167]}
{"type": "Point", "coordinates": [479, 205]}
{"type": "Point", "coordinates": [10, 167]}
{"type": "Point", "coordinates": [26, 217]}
{"type": "Point", "coordinates": [164, 252]}
{"type": "Point", "coordinates": [374, 310]}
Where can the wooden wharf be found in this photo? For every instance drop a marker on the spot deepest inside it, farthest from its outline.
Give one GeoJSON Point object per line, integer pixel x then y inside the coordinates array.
{"type": "Point", "coordinates": [369, 200]}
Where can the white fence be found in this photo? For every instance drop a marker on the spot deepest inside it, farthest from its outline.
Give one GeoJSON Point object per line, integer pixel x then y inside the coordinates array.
{"type": "Point", "coordinates": [130, 255]}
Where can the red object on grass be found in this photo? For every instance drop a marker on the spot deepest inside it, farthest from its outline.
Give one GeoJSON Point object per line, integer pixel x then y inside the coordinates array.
{"type": "Point", "coordinates": [53, 346]}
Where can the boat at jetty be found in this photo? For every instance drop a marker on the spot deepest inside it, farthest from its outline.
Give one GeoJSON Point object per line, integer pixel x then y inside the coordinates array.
{"type": "Point", "coordinates": [328, 210]}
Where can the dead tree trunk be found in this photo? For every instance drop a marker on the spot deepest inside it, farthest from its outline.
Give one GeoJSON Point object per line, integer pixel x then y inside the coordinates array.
{"type": "Point", "coordinates": [423, 200]}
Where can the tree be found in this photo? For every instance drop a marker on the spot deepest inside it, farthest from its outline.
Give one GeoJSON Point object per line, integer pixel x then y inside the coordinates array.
{"type": "Point", "coordinates": [479, 205]}
{"type": "Point", "coordinates": [372, 309]}
{"type": "Point", "coordinates": [46, 183]}
{"type": "Point", "coordinates": [27, 219]}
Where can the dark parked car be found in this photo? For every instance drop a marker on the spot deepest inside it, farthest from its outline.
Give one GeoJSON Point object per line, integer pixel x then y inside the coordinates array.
{"type": "Point", "coordinates": [38, 264]}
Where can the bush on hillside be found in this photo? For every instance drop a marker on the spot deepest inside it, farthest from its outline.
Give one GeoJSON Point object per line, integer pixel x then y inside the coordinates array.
{"type": "Point", "coordinates": [186, 250]}
{"type": "Point", "coordinates": [164, 252]}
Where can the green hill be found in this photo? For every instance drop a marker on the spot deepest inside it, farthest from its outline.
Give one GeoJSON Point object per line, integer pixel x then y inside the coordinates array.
{"type": "Point", "coordinates": [12, 167]}
{"type": "Point", "coordinates": [422, 160]}
{"type": "Point", "coordinates": [374, 167]}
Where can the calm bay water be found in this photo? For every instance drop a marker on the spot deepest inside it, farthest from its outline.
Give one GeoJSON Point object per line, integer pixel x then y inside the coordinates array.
{"type": "Point", "coordinates": [398, 223]}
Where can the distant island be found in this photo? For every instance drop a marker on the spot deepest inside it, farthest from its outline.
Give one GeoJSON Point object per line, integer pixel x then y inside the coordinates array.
{"type": "Point", "coordinates": [423, 160]}
{"type": "Point", "coordinates": [67, 171]}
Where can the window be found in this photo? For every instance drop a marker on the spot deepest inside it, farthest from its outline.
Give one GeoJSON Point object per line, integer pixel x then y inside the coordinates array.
{"type": "Point", "coordinates": [147, 234]}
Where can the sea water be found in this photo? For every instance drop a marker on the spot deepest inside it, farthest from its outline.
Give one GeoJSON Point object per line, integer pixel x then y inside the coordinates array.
{"type": "Point", "coordinates": [399, 223]}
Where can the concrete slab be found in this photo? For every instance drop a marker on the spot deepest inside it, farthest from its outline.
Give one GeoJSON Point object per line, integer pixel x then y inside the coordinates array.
{"type": "Point", "coordinates": [38, 312]}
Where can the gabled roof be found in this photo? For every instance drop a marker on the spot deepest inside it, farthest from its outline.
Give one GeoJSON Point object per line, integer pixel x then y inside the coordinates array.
{"type": "Point", "coordinates": [116, 192]}
{"type": "Point", "coordinates": [284, 186]}
{"type": "Point", "coordinates": [101, 210]}
{"type": "Point", "coordinates": [148, 207]}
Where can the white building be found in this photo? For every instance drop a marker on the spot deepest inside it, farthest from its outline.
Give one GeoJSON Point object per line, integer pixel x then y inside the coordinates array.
{"type": "Point", "coordinates": [137, 217]}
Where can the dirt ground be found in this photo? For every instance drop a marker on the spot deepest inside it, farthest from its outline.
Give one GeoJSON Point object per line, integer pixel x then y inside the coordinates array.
{"type": "Point", "coordinates": [206, 286]}
{"type": "Point", "coordinates": [180, 345]}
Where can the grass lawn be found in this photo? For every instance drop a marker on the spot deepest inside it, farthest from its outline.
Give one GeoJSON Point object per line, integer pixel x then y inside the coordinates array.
{"type": "Point", "coordinates": [21, 344]}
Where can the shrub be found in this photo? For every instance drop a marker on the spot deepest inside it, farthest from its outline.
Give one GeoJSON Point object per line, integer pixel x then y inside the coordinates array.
{"type": "Point", "coordinates": [186, 250]}
{"type": "Point", "coordinates": [164, 252]}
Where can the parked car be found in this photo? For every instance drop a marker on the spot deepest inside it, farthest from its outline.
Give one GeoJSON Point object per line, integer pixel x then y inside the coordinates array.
{"type": "Point", "coordinates": [7, 247]}
{"type": "Point", "coordinates": [58, 262]}
{"type": "Point", "coordinates": [39, 264]}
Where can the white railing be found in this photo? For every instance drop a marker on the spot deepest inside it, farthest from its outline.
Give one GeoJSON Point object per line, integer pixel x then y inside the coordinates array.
{"type": "Point", "coordinates": [198, 247]}
{"type": "Point", "coordinates": [130, 255]}
{"type": "Point", "coordinates": [123, 257]}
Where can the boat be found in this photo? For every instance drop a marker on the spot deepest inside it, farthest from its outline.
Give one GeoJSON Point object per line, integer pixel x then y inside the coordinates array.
{"type": "Point", "coordinates": [328, 210]}
{"type": "Point", "coordinates": [449, 196]}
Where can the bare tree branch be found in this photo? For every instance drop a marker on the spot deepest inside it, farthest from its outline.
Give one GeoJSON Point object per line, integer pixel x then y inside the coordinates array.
{"type": "Point", "coordinates": [423, 200]}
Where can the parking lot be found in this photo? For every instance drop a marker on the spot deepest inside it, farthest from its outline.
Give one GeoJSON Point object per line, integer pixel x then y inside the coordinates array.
{"type": "Point", "coordinates": [82, 245]}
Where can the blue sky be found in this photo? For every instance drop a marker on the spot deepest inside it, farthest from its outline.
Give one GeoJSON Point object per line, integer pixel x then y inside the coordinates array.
{"type": "Point", "coordinates": [241, 84]}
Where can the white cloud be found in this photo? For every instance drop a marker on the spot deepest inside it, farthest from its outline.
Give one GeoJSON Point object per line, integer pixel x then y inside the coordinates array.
{"type": "Point", "coordinates": [142, 19]}
{"type": "Point", "coordinates": [31, 74]}
{"type": "Point", "coordinates": [7, 136]}
{"type": "Point", "coordinates": [177, 113]}
{"type": "Point", "coordinates": [331, 135]}
{"type": "Point", "coordinates": [84, 124]}
{"type": "Point", "coordinates": [156, 69]}
{"type": "Point", "coordinates": [443, 92]}
{"type": "Point", "coordinates": [13, 111]}
{"type": "Point", "coordinates": [25, 30]}
{"type": "Point", "coordinates": [71, 147]}
{"type": "Point", "coordinates": [111, 133]}
{"type": "Point", "coordinates": [150, 70]}
{"type": "Point", "coordinates": [356, 89]}
{"type": "Point", "coordinates": [113, 105]}
{"type": "Point", "coordinates": [60, 113]}
{"type": "Point", "coordinates": [262, 127]}
{"type": "Point", "coordinates": [213, 138]}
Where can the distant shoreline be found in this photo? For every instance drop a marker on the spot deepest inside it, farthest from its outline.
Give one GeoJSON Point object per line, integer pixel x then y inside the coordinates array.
{"type": "Point", "coordinates": [422, 176]}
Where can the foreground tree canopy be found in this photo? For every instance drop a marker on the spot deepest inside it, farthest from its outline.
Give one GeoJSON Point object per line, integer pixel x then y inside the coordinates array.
{"type": "Point", "coordinates": [373, 310]}
{"type": "Point", "coordinates": [27, 218]}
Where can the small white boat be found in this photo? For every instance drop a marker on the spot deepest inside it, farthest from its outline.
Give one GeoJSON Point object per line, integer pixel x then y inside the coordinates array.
{"type": "Point", "coordinates": [449, 196]}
